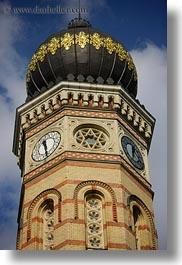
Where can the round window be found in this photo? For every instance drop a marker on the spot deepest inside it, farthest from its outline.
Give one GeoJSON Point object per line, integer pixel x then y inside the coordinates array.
{"type": "Point", "coordinates": [91, 137]}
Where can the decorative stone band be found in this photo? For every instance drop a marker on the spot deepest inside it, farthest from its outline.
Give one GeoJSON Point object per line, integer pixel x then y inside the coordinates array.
{"type": "Point", "coordinates": [93, 101]}
{"type": "Point", "coordinates": [82, 39]}
{"type": "Point", "coordinates": [86, 157]}
{"type": "Point", "coordinates": [86, 99]}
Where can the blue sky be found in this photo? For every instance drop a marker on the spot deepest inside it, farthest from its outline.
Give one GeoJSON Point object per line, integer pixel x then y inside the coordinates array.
{"type": "Point", "coordinates": [132, 22]}
{"type": "Point", "coordinates": [141, 26]}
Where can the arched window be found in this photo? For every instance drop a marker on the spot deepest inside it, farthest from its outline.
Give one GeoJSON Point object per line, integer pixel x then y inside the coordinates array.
{"type": "Point", "coordinates": [94, 221]}
{"type": "Point", "coordinates": [139, 222]}
{"type": "Point", "coordinates": [46, 214]}
{"type": "Point", "coordinates": [43, 215]}
{"type": "Point", "coordinates": [142, 224]}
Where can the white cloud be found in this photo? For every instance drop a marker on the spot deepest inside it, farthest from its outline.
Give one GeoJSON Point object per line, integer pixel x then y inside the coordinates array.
{"type": "Point", "coordinates": [12, 88]}
{"type": "Point", "coordinates": [12, 74]}
{"type": "Point", "coordinates": [151, 67]}
{"type": "Point", "coordinates": [12, 94]}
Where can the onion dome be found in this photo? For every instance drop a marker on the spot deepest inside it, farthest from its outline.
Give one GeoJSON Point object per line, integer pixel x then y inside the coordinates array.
{"type": "Point", "coordinates": [80, 54]}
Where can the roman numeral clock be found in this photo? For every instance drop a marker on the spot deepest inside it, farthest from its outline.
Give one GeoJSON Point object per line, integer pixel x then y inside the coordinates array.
{"type": "Point", "coordinates": [82, 140]}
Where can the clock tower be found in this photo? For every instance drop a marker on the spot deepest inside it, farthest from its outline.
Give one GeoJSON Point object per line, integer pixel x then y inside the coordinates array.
{"type": "Point", "coordinates": [82, 141]}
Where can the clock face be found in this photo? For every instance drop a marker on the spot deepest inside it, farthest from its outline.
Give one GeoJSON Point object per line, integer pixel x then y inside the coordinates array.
{"type": "Point", "coordinates": [46, 146]}
{"type": "Point", "coordinates": [132, 152]}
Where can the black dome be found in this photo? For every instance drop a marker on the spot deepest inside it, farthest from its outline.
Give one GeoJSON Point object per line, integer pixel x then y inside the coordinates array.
{"type": "Point", "coordinates": [81, 54]}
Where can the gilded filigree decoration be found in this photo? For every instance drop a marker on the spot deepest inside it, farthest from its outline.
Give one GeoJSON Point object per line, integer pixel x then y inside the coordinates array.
{"type": "Point", "coordinates": [109, 45]}
{"type": "Point", "coordinates": [33, 63]}
{"type": "Point", "coordinates": [121, 52]}
{"type": "Point", "coordinates": [53, 45]}
{"type": "Point", "coordinates": [131, 65]}
{"type": "Point", "coordinates": [130, 61]}
{"type": "Point", "coordinates": [42, 51]}
{"type": "Point", "coordinates": [31, 67]}
{"type": "Point", "coordinates": [81, 39]}
{"type": "Point", "coordinates": [67, 41]}
{"type": "Point", "coordinates": [96, 40]}
{"type": "Point", "coordinates": [28, 77]}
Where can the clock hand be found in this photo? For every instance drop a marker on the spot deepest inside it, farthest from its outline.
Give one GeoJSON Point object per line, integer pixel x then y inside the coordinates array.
{"type": "Point", "coordinates": [133, 151]}
{"type": "Point", "coordinates": [134, 154]}
{"type": "Point", "coordinates": [45, 146]}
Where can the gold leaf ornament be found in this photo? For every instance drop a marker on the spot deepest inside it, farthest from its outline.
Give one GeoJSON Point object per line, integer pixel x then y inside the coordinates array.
{"type": "Point", "coordinates": [96, 41]}
{"type": "Point", "coordinates": [67, 41]}
{"type": "Point", "coordinates": [41, 53]}
{"type": "Point", "coordinates": [31, 67]}
{"type": "Point", "coordinates": [33, 62]}
{"type": "Point", "coordinates": [131, 65]}
{"type": "Point", "coordinates": [82, 39]}
{"type": "Point", "coordinates": [109, 45]}
{"type": "Point", "coordinates": [121, 52]}
{"type": "Point", "coordinates": [130, 61]}
{"type": "Point", "coordinates": [53, 45]}
{"type": "Point", "coordinates": [28, 77]}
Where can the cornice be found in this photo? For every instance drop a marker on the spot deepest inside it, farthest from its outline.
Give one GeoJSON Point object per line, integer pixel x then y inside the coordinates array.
{"type": "Point", "coordinates": [85, 97]}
